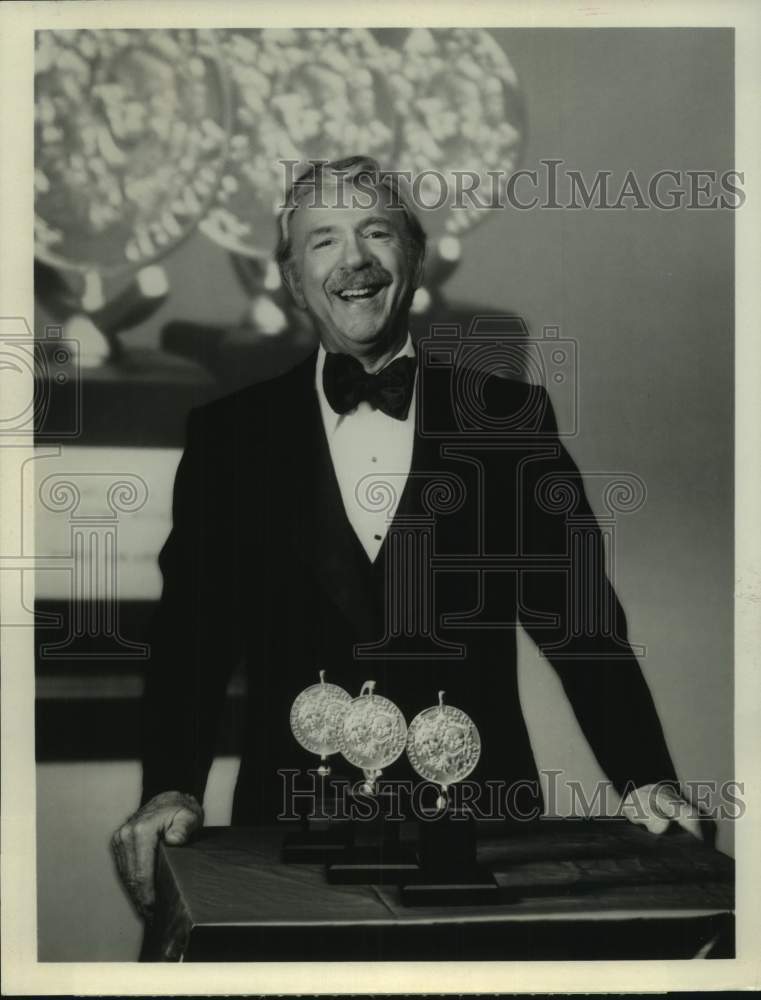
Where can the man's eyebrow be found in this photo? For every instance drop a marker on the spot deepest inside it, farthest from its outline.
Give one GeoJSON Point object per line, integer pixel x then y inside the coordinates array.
{"type": "Point", "coordinates": [327, 229]}
{"type": "Point", "coordinates": [320, 231]}
{"type": "Point", "coordinates": [376, 220]}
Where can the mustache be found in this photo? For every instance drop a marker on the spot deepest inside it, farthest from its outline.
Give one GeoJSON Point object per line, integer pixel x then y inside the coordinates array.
{"type": "Point", "coordinates": [375, 276]}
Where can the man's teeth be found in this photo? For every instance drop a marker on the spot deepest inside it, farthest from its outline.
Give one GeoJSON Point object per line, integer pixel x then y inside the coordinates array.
{"type": "Point", "coordinates": [357, 293]}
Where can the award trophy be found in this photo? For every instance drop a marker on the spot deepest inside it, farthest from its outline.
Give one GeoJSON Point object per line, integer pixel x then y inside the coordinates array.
{"type": "Point", "coordinates": [316, 723]}
{"type": "Point", "coordinates": [443, 746]}
{"type": "Point", "coordinates": [373, 736]}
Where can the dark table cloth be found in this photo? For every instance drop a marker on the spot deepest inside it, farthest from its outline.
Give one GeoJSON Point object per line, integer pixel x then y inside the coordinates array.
{"type": "Point", "coordinates": [572, 889]}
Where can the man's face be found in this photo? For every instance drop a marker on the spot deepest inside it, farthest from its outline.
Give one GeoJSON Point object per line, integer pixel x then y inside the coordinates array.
{"type": "Point", "coordinates": [351, 269]}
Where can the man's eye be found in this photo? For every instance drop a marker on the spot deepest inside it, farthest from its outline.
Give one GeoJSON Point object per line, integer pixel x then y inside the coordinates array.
{"type": "Point", "coordinates": [378, 233]}
{"type": "Point", "coordinates": [323, 243]}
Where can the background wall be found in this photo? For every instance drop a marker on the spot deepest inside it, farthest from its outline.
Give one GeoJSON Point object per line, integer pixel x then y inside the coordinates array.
{"type": "Point", "coordinates": [647, 296]}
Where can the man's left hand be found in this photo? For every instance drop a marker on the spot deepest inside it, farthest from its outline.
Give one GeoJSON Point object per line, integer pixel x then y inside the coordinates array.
{"type": "Point", "coordinates": [657, 806]}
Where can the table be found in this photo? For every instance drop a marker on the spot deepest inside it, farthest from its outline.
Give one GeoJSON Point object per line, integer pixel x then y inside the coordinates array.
{"type": "Point", "coordinates": [575, 890]}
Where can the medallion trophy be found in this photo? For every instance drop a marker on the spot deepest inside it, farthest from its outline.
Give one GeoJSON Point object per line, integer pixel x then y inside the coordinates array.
{"type": "Point", "coordinates": [373, 736]}
{"type": "Point", "coordinates": [316, 723]}
{"type": "Point", "coordinates": [444, 747]}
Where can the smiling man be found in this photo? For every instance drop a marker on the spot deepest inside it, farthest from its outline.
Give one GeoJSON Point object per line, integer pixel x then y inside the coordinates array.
{"type": "Point", "coordinates": [280, 555]}
{"type": "Point", "coordinates": [354, 268]}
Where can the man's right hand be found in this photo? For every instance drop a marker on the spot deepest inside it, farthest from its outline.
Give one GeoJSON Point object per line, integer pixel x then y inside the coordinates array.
{"type": "Point", "coordinates": [170, 816]}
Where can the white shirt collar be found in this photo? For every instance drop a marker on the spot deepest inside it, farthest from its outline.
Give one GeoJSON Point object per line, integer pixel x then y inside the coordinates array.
{"type": "Point", "coordinates": [329, 415]}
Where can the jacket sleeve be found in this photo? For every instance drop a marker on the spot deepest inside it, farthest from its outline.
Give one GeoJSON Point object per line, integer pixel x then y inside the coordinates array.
{"type": "Point", "coordinates": [568, 606]}
{"type": "Point", "coordinates": [192, 636]}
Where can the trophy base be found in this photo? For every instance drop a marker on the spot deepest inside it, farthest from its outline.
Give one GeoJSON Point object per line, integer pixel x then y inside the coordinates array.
{"type": "Point", "coordinates": [315, 847]}
{"type": "Point", "coordinates": [449, 874]}
{"type": "Point", "coordinates": [374, 865]}
{"type": "Point", "coordinates": [474, 886]}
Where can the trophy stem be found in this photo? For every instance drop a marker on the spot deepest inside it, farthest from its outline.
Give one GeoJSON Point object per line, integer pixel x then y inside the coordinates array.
{"type": "Point", "coordinates": [442, 802]}
{"type": "Point", "coordinates": [371, 777]}
{"type": "Point", "coordinates": [367, 689]}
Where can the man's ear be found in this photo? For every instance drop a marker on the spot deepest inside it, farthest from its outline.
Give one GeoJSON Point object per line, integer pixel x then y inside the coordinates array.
{"type": "Point", "coordinates": [293, 284]}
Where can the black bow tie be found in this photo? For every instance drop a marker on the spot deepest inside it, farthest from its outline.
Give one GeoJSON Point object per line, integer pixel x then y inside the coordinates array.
{"type": "Point", "coordinates": [347, 384]}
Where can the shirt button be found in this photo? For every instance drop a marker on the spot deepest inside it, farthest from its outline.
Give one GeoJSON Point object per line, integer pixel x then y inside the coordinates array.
{"type": "Point", "coordinates": [373, 459]}
{"type": "Point", "coordinates": [377, 538]}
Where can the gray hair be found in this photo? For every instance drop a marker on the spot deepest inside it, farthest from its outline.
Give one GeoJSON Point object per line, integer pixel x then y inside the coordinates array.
{"type": "Point", "coordinates": [352, 168]}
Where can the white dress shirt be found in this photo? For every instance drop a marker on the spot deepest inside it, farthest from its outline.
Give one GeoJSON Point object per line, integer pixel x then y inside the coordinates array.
{"type": "Point", "coordinates": [371, 454]}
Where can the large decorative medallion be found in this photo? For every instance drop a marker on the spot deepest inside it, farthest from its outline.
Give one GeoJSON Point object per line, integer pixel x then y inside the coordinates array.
{"type": "Point", "coordinates": [443, 744]}
{"type": "Point", "coordinates": [374, 733]}
{"type": "Point", "coordinates": [317, 717]}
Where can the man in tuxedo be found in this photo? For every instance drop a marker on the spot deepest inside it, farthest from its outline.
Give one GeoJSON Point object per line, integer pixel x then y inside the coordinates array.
{"type": "Point", "coordinates": [355, 515]}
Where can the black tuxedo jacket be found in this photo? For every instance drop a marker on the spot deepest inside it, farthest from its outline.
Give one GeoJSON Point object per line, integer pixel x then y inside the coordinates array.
{"type": "Point", "coordinates": [492, 529]}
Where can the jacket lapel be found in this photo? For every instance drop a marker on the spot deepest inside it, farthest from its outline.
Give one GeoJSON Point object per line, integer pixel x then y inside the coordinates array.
{"type": "Point", "coordinates": [433, 410]}
{"type": "Point", "coordinates": [310, 505]}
